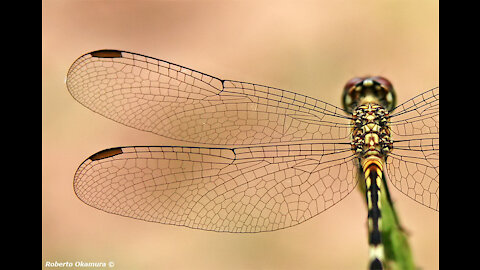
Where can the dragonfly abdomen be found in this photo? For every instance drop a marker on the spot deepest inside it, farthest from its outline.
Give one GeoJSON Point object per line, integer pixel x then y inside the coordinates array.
{"type": "Point", "coordinates": [373, 171]}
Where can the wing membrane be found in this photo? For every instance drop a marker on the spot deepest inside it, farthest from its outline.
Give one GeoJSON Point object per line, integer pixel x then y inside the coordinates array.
{"type": "Point", "coordinates": [183, 104]}
{"type": "Point", "coordinates": [417, 116]}
{"type": "Point", "coordinates": [416, 174]}
{"type": "Point", "coordinates": [413, 166]}
{"type": "Point", "coordinates": [248, 189]}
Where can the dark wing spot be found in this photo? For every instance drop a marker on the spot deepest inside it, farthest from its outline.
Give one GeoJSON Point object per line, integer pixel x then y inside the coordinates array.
{"type": "Point", "coordinates": [106, 154]}
{"type": "Point", "coordinates": [106, 54]}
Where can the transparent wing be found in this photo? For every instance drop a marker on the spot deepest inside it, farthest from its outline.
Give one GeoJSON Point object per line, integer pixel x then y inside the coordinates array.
{"type": "Point", "coordinates": [183, 104]}
{"type": "Point", "coordinates": [417, 116]}
{"type": "Point", "coordinates": [413, 166]}
{"type": "Point", "coordinates": [248, 189]}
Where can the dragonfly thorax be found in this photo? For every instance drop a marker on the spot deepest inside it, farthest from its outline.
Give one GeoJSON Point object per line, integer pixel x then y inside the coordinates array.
{"type": "Point", "coordinates": [371, 133]}
{"type": "Point", "coordinates": [364, 90]}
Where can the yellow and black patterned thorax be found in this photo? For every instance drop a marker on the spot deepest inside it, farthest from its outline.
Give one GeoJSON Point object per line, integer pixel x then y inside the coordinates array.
{"type": "Point", "coordinates": [371, 132]}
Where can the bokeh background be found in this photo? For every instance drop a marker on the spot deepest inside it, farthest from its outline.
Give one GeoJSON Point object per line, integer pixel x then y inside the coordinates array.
{"type": "Point", "coordinates": [310, 47]}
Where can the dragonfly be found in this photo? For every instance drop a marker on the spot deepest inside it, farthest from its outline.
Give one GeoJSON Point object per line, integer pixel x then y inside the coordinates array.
{"type": "Point", "coordinates": [266, 158]}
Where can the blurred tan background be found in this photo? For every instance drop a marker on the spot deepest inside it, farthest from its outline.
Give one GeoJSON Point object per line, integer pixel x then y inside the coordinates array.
{"type": "Point", "coordinates": [310, 47]}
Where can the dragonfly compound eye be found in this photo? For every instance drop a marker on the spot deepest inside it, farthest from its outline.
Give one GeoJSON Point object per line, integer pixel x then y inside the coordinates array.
{"type": "Point", "coordinates": [361, 90]}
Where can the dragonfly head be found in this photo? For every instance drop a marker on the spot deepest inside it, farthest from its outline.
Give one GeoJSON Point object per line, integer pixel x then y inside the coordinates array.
{"type": "Point", "coordinates": [361, 90]}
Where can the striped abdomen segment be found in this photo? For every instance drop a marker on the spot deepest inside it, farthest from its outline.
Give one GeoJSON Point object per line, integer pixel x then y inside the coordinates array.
{"type": "Point", "coordinates": [373, 171]}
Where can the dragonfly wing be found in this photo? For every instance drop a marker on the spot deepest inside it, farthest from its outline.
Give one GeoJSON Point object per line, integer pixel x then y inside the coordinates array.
{"type": "Point", "coordinates": [183, 104]}
{"type": "Point", "coordinates": [413, 165]}
{"type": "Point", "coordinates": [417, 116]}
{"type": "Point", "coordinates": [248, 189]}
